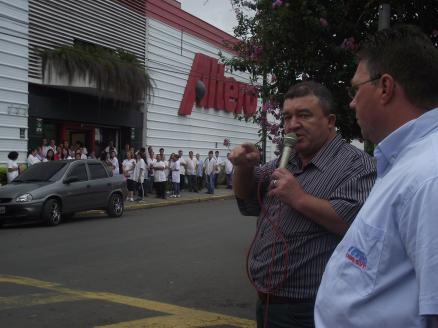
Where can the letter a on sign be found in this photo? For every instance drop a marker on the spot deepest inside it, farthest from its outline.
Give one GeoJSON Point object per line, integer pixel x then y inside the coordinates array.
{"type": "Point", "coordinates": [222, 93]}
{"type": "Point", "coordinates": [200, 71]}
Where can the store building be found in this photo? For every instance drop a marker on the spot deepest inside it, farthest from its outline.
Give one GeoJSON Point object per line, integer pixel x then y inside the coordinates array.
{"type": "Point", "coordinates": [177, 50]}
{"type": "Point", "coordinates": [13, 78]}
{"type": "Point", "coordinates": [74, 110]}
{"type": "Point", "coordinates": [181, 49]}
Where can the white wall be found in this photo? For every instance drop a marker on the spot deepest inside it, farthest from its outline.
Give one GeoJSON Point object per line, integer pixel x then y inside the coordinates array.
{"type": "Point", "coordinates": [169, 58]}
{"type": "Point", "coordinates": [13, 77]}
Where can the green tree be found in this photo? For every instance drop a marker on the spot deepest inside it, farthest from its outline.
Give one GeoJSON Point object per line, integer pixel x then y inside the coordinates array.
{"type": "Point", "coordinates": [290, 40]}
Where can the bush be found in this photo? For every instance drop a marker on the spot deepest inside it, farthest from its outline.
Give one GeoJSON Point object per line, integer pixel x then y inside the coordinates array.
{"type": "Point", "coordinates": [3, 171]}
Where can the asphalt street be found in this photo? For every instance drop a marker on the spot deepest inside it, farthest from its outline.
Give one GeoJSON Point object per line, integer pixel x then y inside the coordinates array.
{"type": "Point", "coordinates": [158, 267]}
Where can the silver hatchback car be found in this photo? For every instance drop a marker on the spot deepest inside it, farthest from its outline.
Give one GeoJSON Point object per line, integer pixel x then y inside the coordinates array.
{"type": "Point", "coordinates": [49, 191]}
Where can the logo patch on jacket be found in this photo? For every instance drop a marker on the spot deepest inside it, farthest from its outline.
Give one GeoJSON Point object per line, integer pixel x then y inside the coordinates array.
{"type": "Point", "coordinates": [357, 257]}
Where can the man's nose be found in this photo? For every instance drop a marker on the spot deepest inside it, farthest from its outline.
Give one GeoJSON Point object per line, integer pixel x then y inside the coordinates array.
{"type": "Point", "coordinates": [353, 103]}
{"type": "Point", "coordinates": [293, 124]}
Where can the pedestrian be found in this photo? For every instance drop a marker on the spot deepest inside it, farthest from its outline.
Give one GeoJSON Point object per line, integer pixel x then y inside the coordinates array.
{"type": "Point", "coordinates": [139, 173]}
{"type": "Point", "coordinates": [175, 167]}
{"type": "Point", "coordinates": [78, 154]}
{"type": "Point", "coordinates": [66, 155]}
{"type": "Point", "coordinates": [114, 162]}
{"type": "Point", "coordinates": [199, 172]}
{"type": "Point", "coordinates": [13, 168]}
{"type": "Point", "coordinates": [160, 177]}
{"type": "Point", "coordinates": [50, 155]}
{"type": "Point", "coordinates": [111, 147]}
{"type": "Point", "coordinates": [384, 271]}
{"type": "Point", "coordinates": [210, 169]}
{"type": "Point", "coordinates": [229, 171]}
{"type": "Point", "coordinates": [219, 163]}
{"type": "Point", "coordinates": [150, 164]}
{"type": "Point", "coordinates": [58, 152]}
{"type": "Point", "coordinates": [304, 208]}
{"type": "Point", "coordinates": [144, 156]}
{"type": "Point", "coordinates": [43, 148]}
{"type": "Point", "coordinates": [128, 166]}
{"type": "Point", "coordinates": [32, 158]}
{"type": "Point", "coordinates": [191, 164]}
{"type": "Point", "coordinates": [182, 171]}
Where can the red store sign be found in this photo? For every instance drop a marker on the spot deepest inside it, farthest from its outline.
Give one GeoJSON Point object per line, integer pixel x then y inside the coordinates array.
{"type": "Point", "coordinates": [222, 93]}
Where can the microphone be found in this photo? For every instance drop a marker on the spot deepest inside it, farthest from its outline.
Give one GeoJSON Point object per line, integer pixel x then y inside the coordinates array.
{"type": "Point", "coordinates": [289, 142]}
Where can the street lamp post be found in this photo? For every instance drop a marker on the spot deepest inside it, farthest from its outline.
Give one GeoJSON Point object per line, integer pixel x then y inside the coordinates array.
{"type": "Point", "coordinates": [384, 15]}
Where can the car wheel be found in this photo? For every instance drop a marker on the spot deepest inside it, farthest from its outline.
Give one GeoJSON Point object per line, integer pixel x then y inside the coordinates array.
{"type": "Point", "coordinates": [52, 212]}
{"type": "Point", "coordinates": [115, 206]}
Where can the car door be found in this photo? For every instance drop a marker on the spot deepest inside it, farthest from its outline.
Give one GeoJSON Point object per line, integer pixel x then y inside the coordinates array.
{"type": "Point", "coordinates": [100, 184]}
{"type": "Point", "coordinates": [77, 192]}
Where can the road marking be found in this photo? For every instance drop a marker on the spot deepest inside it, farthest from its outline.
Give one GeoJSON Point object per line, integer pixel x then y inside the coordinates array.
{"type": "Point", "coordinates": [173, 316]}
{"type": "Point", "coordinates": [16, 302]}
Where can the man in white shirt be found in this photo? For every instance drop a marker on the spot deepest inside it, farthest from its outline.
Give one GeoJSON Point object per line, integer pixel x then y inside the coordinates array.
{"type": "Point", "coordinates": [182, 170]}
{"type": "Point", "coordinates": [160, 177]}
{"type": "Point", "coordinates": [210, 169]}
{"type": "Point", "coordinates": [111, 147]}
{"type": "Point", "coordinates": [114, 162]}
{"type": "Point", "coordinates": [228, 171]}
{"type": "Point", "coordinates": [192, 163]}
{"type": "Point", "coordinates": [139, 172]}
{"type": "Point", "coordinates": [13, 169]}
{"type": "Point", "coordinates": [199, 172]}
{"type": "Point", "coordinates": [52, 146]}
{"type": "Point", "coordinates": [219, 163]}
{"type": "Point", "coordinates": [44, 148]}
{"type": "Point", "coordinates": [384, 271]}
{"type": "Point", "coordinates": [32, 158]}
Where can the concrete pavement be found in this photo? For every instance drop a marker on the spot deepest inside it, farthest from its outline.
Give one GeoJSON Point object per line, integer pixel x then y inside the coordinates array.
{"type": "Point", "coordinates": [186, 197]}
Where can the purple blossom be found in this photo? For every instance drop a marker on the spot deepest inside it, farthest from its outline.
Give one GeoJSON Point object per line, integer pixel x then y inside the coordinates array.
{"type": "Point", "coordinates": [435, 33]}
{"type": "Point", "coordinates": [277, 3]}
{"type": "Point", "coordinates": [277, 140]}
{"type": "Point", "coordinates": [267, 107]}
{"type": "Point", "coordinates": [274, 128]}
{"type": "Point", "coordinates": [273, 78]}
{"type": "Point", "coordinates": [256, 52]}
{"type": "Point", "coordinates": [323, 22]}
{"type": "Point", "coordinates": [348, 44]}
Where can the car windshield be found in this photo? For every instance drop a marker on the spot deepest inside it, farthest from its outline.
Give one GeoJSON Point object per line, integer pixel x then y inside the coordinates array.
{"type": "Point", "coordinates": [48, 171]}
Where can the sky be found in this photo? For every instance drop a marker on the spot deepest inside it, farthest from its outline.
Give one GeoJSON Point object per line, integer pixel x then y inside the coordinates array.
{"type": "Point", "coordinates": [216, 12]}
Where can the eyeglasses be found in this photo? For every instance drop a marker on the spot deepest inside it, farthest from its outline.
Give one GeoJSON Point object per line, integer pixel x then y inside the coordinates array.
{"type": "Point", "coordinates": [354, 88]}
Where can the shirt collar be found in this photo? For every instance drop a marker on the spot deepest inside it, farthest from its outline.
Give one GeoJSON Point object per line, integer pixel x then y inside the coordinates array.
{"type": "Point", "coordinates": [324, 155]}
{"type": "Point", "coordinates": [389, 148]}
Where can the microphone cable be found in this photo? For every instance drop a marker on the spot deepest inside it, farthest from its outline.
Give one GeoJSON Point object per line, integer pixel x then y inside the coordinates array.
{"type": "Point", "coordinates": [265, 215]}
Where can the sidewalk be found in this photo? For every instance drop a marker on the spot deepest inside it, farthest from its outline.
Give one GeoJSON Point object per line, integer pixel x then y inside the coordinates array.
{"type": "Point", "coordinates": [186, 197]}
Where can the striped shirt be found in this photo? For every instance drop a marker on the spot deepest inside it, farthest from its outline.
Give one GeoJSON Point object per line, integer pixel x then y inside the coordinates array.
{"type": "Point", "coordinates": [339, 173]}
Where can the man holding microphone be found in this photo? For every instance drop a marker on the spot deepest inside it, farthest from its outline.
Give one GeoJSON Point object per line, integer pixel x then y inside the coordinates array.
{"type": "Point", "coordinates": [305, 208]}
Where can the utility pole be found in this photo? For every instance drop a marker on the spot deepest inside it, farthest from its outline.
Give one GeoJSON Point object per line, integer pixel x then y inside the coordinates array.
{"type": "Point", "coordinates": [264, 116]}
{"type": "Point", "coordinates": [384, 22]}
{"type": "Point", "coordinates": [384, 15]}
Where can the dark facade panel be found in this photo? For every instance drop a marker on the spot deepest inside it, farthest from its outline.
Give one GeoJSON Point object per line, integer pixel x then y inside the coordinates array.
{"type": "Point", "coordinates": [107, 23]}
{"type": "Point", "coordinates": [55, 104]}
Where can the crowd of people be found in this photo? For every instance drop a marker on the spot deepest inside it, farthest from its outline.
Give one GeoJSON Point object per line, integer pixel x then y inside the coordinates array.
{"type": "Point", "coordinates": [145, 171]}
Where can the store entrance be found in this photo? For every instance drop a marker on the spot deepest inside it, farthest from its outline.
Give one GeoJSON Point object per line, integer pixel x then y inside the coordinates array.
{"type": "Point", "coordinates": [105, 135]}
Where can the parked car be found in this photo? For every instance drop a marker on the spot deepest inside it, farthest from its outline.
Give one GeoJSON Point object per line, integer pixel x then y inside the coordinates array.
{"type": "Point", "coordinates": [51, 190]}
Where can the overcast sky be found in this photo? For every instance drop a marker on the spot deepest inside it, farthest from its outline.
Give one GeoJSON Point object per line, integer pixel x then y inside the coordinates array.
{"type": "Point", "coordinates": [216, 12]}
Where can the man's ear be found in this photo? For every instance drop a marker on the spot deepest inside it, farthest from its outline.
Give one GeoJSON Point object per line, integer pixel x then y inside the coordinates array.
{"type": "Point", "coordinates": [331, 120]}
{"type": "Point", "coordinates": [387, 88]}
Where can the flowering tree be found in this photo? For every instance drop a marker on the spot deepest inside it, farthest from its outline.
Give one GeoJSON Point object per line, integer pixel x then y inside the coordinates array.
{"type": "Point", "coordinates": [282, 41]}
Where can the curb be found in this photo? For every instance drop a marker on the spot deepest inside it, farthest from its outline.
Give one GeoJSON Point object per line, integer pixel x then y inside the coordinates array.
{"type": "Point", "coordinates": [168, 202]}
